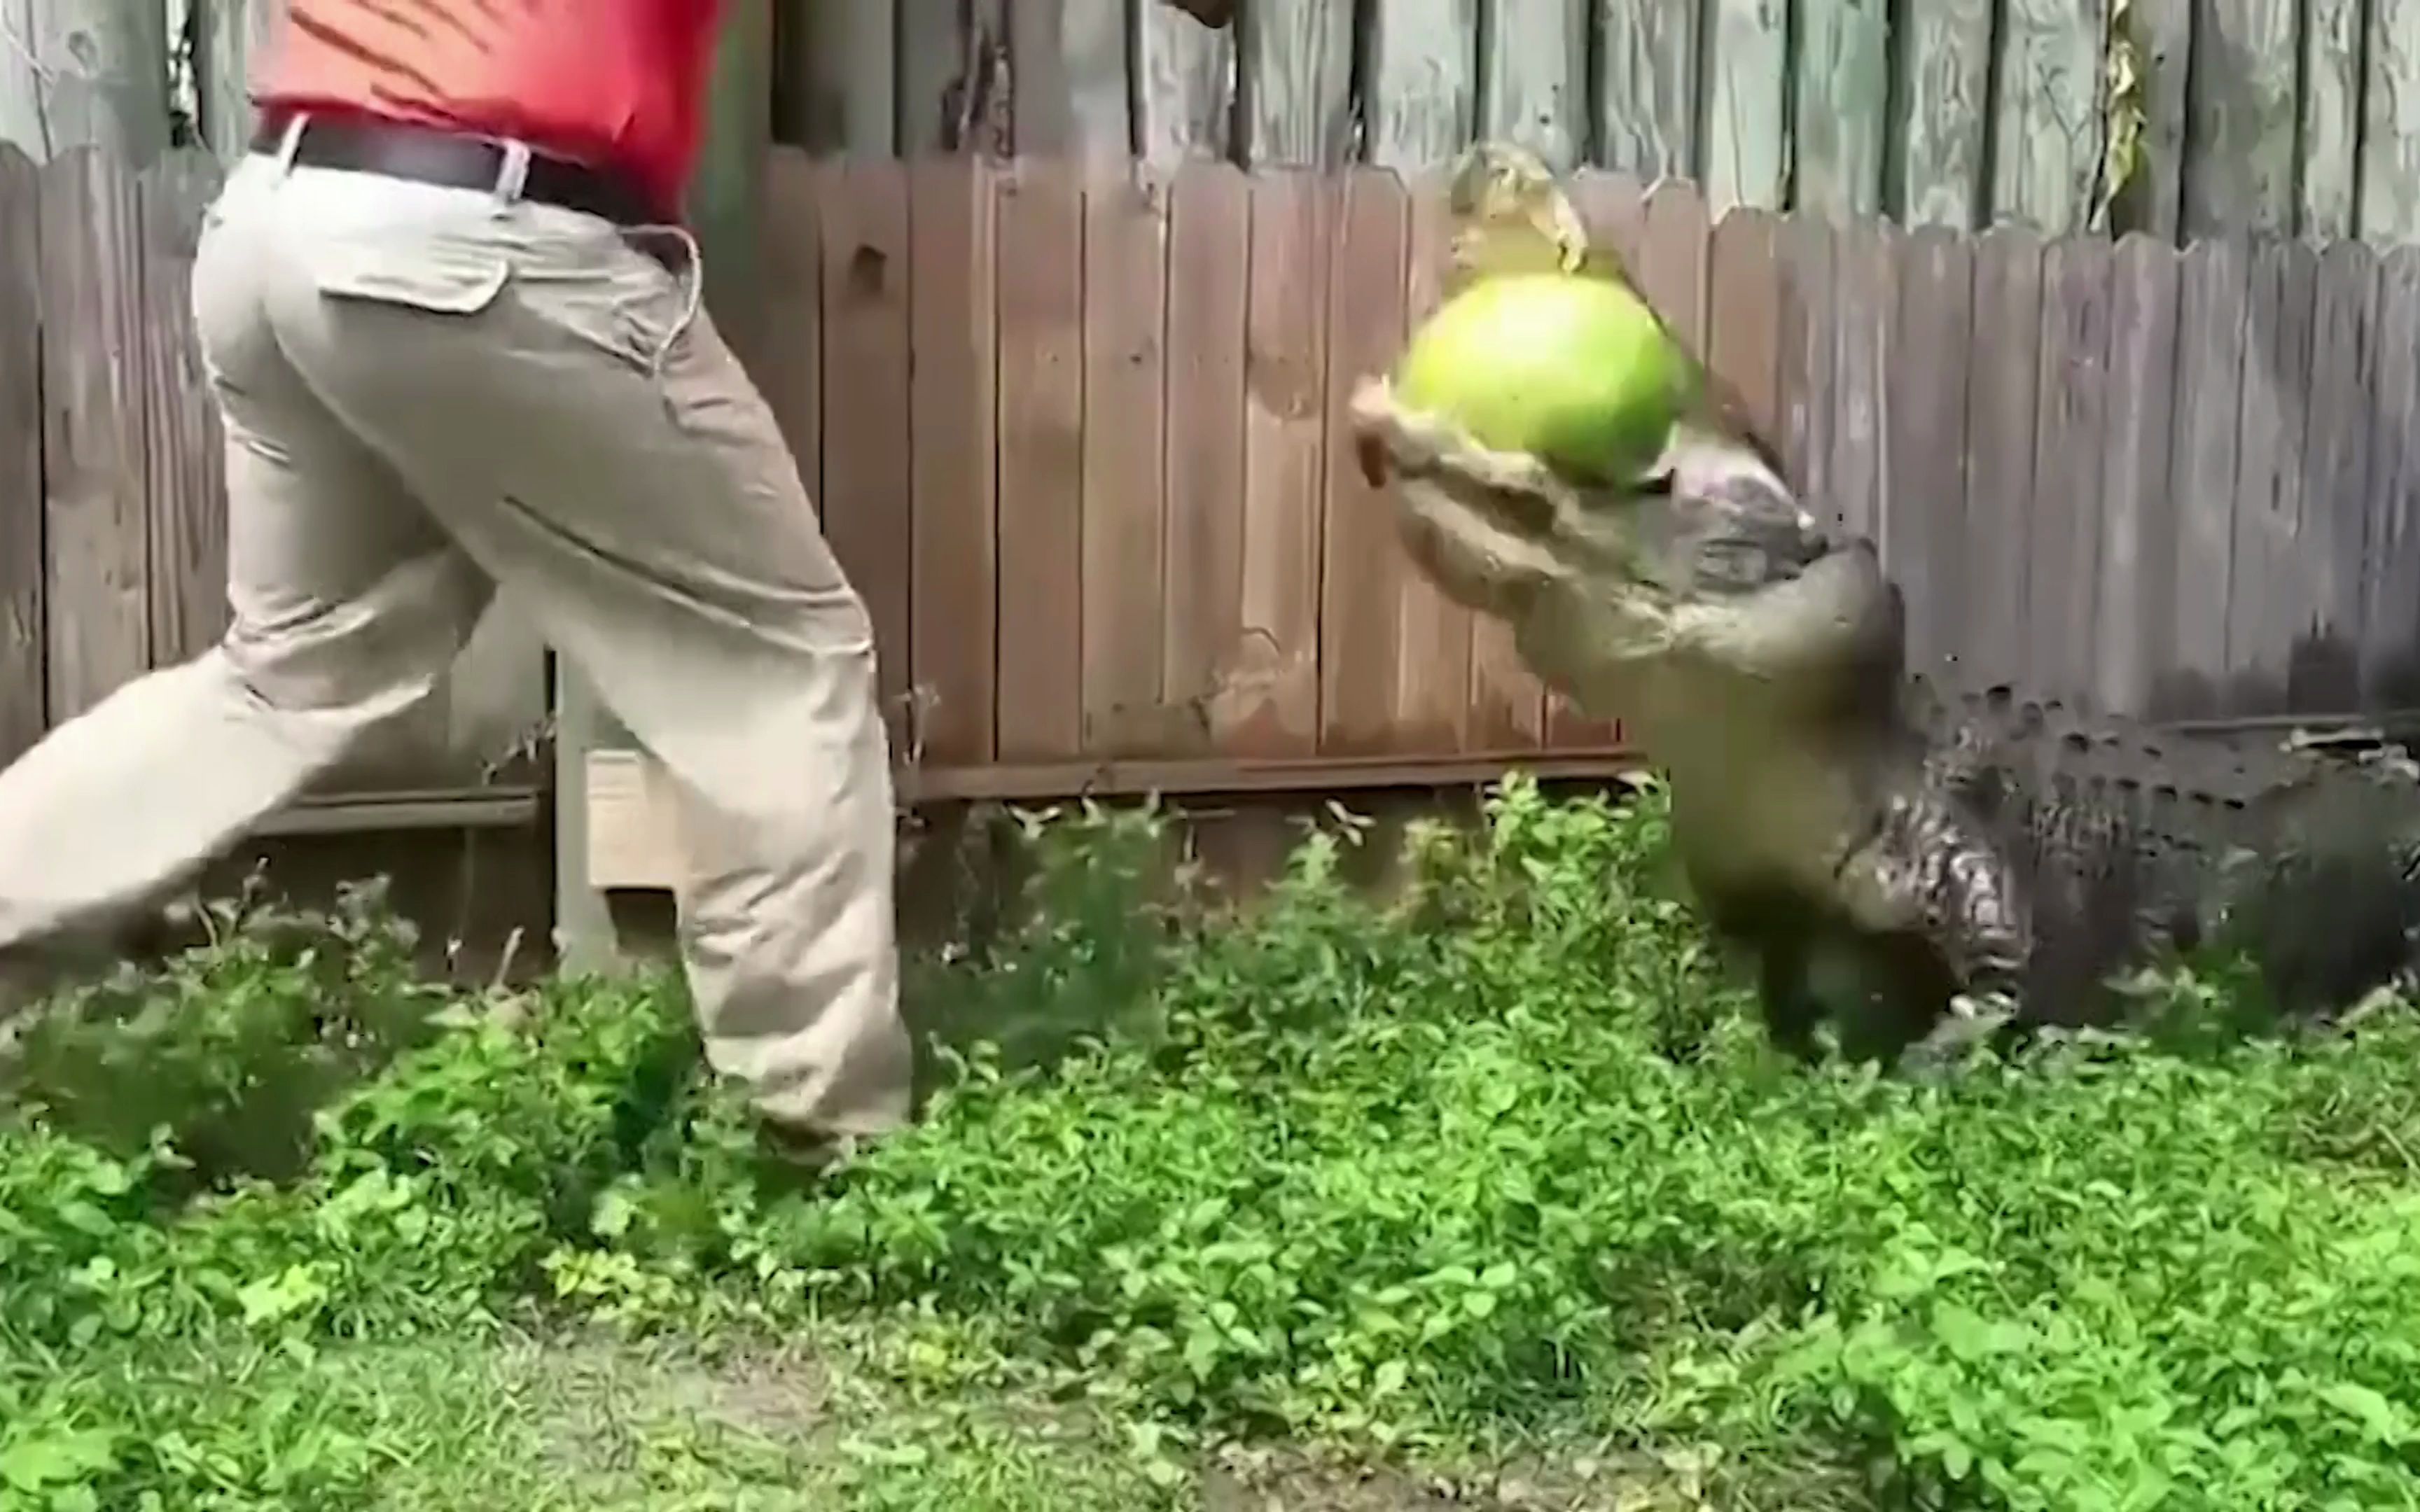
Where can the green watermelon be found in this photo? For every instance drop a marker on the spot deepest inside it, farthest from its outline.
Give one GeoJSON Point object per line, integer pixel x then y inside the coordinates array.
{"type": "Point", "coordinates": [1570, 369]}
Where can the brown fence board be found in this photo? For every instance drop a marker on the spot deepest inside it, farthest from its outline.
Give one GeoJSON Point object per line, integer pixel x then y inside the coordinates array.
{"type": "Point", "coordinates": [184, 455]}
{"type": "Point", "coordinates": [2390, 633]}
{"type": "Point", "coordinates": [1804, 250]}
{"type": "Point", "coordinates": [1125, 526]}
{"type": "Point", "coordinates": [2211, 295]}
{"type": "Point", "coordinates": [2063, 536]}
{"type": "Point", "coordinates": [2277, 379]}
{"type": "Point", "coordinates": [788, 364]}
{"type": "Point", "coordinates": [868, 492]}
{"type": "Point", "coordinates": [1744, 315]}
{"type": "Point", "coordinates": [2000, 403]}
{"type": "Point", "coordinates": [1924, 533]}
{"type": "Point", "coordinates": [97, 596]}
{"type": "Point", "coordinates": [1613, 207]}
{"type": "Point", "coordinates": [1210, 246]}
{"type": "Point", "coordinates": [22, 673]}
{"type": "Point", "coordinates": [1362, 567]}
{"type": "Point", "coordinates": [1925, 436]}
{"type": "Point", "coordinates": [1434, 696]}
{"type": "Point", "coordinates": [2136, 617]}
{"type": "Point", "coordinates": [1040, 229]}
{"type": "Point", "coordinates": [2326, 671]}
{"type": "Point", "coordinates": [1276, 679]}
{"type": "Point", "coordinates": [954, 583]}
{"type": "Point", "coordinates": [1864, 279]}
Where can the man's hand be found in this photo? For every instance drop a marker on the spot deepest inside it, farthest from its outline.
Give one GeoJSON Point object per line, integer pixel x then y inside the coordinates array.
{"type": "Point", "coordinates": [1208, 12]}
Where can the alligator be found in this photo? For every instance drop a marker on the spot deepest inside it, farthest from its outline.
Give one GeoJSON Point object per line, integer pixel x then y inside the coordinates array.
{"type": "Point", "coordinates": [1912, 866]}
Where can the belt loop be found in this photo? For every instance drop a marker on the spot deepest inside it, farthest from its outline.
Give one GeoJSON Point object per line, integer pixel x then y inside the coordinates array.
{"type": "Point", "coordinates": [290, 140]}
{"type": "Point", "coordinates": [513, 178]}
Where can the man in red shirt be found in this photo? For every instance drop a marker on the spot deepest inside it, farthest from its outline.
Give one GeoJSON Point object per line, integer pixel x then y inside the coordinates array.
{"type": "Point", "coordinates": [453, 327]}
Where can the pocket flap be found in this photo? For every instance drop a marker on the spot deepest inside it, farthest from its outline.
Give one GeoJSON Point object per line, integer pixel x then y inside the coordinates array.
{"type": "Point", "coordinates": [440, 280]}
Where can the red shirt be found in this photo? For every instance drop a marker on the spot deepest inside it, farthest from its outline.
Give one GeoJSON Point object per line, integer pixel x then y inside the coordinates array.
{"type": "Point", "coordinates": [616, 84]}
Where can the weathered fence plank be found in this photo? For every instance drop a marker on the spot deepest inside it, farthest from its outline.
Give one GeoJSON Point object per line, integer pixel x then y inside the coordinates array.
{"type": "Point", "coordinates": [868, 493]}
{"type": "Point", "coordinates": [1923, 535]}
{"type": "Point", "coordinates": [24, 632]}
{"type": "Point", "coordinates": [788, 367]}
{"type": "Point", "coordinates": [2275, 396]}
{"type": "Point", "coordinates": [2212, 294]}
{"type": "Point", "coordinates": [1944, 55]}
{"type": "Point", "coordinates": [2390, 145]}
{"type": "Point", "coordinates": [1295, 82]}
{"type": "Point", "coordinates": [2325, 673]}
{"type": "Point", "coordinates": [1744, 315]}
{"type": "Point", "coordinates": [1125, 507]}
{"type": "Point", "coordinates": [2330, 171]}
{"type": "Point", "coordinates": [184, 457]}
{"type": "Point", "coordinates": [2062, 571]}
{"type": "Point", "coordinates": [1422, 63]}
{"type": "Point", "coordinates": [1210, 248]}
{"type": "Point", "coordinates": [1072, 98]}
{"type": "Point", "coordinates": [1807, 254]}
{"type": "Point", "coordinates": [2047, 130]}
{"type": "Point", "coordinates": [1647, 89]}
{"type": "Point", "coordinates": [2001, 396]}
{"type": "Point", "coordinates": [2135, 612]}
{"type": "Point", "coordinates": [1533, 78]}
{"type": "Point", "coordinates": [1746, 160]}
{"type": "Point", "coordinates": [98, 596]}
{"type": "Point", "coordinates": [1185, 101]}
{"type": "Point", "coordinates": [1864, 279]}
{"type": "Point", "coordinates": [953, 431]}
{"type": "Point", "coordinates": [1361, 567]}
{"type": "Point", "coordinates": [2163, 36]}
{"type": "Point", "coordinates": [1040, 230]}
{"type": "Point", "coordinates": [1843, 84]}
{"type": "Point", "coordinates": [2241, 120]}
{"type": "Point", "coordinates": [1276, 679]}
{"type": "Point", "coordinates": [2390, 633]}
{"type": "Point", "coordinates": [1433, 682]}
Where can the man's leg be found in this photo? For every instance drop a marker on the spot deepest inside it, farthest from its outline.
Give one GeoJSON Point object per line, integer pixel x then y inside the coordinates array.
{"type": "Point", "coordinates": [348, 606]}
{"type": "Point", "coordinates": [507, 363]}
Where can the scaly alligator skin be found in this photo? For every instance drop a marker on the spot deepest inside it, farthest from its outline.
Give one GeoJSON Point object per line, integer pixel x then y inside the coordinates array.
{"type": "Point", "coordinates": [1890, 859]}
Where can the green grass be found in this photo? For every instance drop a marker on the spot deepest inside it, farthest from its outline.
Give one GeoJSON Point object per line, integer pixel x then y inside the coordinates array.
{"type": "Point", "coordinates": [1496, 1182]}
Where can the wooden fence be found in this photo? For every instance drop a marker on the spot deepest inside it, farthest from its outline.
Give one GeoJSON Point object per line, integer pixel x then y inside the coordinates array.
{"type": "Point", "coordinates": [1074, 432]}
{"type": "Point", "coordinates": [2262, 115]}
{"type": "Point", "coordinates": [113, 514]}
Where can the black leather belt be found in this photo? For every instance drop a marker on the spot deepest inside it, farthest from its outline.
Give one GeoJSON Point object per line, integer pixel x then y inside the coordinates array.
{"type": "Point", "coordinates": [427, 156]}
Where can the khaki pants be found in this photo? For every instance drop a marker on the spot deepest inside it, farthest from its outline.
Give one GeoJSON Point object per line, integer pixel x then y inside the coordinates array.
{"type": "Point", "coordinates": [429, 391]}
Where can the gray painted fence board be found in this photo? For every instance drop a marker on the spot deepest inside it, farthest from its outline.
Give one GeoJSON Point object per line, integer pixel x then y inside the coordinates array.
{"type": "Point", "coordinates": [2330, 123]}
{"type": "Point", "coordinates": [2048, 118]}
{"type": "Point", "coordinates": [1865, 297]}
{"type": "Point", "coordinates": [1186, 104]}
{"type": "Point", "coordinates": [1945, 57]}
{"type": "Point", "coordinates": [1744, 313]}
{"type": "Point", "coordinates": [1806, 253]}
{"type": "Point", "coordinates": [1294, 81]}
{"type": "Point", "coordinates": [2390, 151]}
{"type": "Point", "coordinates": [1842, 87]}
{"type": "Point", "coordinates": [23, 637]}
{"type": "Point", "coordinates": [2163, 34]}
{"type": "Point", "coordinates": [1422, 62]}
{"type": "Point", "coordinates": [2241, 116]}
{"type": "Point", "coordinates": [1746, 161]}
{"type": "Point", "coordinates": [1647, 87]}
{"type": "Point", "coordinates": [1533, 77]}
